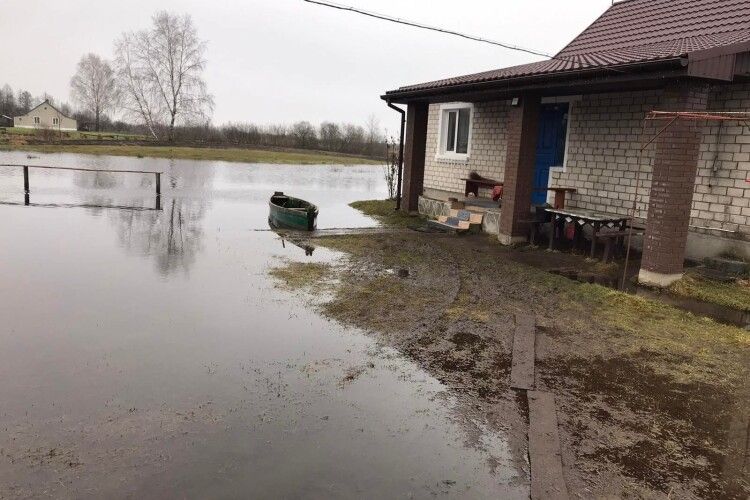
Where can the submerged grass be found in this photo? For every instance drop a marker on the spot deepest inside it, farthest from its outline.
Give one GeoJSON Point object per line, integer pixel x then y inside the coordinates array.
{"type": "Point", "coordinates": [732, 295]}
{"type": "Point", "coordinates": [188, 153]}
{"type": "Point", "coordinates": [385, 212]}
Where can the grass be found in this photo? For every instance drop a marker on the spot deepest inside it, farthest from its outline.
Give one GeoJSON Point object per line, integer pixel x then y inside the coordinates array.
{"type": "Point", "coordinates": [385, 212]}
{"type": "Point", "coordinates": [188, 153]}
{"type": "Point", "coordinates": [298, 275]}
{"type": "Point", "coordinates": [732, 295]}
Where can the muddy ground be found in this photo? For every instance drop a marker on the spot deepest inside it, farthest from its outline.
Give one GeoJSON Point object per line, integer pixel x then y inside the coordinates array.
{"type": "Point", "coordinates": [652, 401]}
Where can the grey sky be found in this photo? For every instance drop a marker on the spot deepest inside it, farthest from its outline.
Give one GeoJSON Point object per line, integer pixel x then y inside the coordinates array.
{"type": "Point", "coordinates": [286, 60]}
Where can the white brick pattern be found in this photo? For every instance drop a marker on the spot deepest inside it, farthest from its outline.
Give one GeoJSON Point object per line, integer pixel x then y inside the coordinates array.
{"type": "Point", "coordinates": [487, 148]}
{"type": "Point", "coordinates": [606, 132]}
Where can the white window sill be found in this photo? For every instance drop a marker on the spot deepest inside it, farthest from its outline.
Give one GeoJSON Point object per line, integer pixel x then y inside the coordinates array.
{"type": "Point", "coordinates": [455, 158]}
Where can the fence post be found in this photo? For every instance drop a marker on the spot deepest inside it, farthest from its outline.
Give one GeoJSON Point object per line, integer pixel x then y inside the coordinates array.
{"type": "Point", "coordinates": [26, 194]}
{"type": "Point", "coordinates": [158, 183]}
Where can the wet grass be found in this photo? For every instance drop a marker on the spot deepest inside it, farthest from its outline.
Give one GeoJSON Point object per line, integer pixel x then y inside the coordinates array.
{"type": "Point", "coordinates": [299, 275]}
{"type": "Point", "coordinates": [734, 295]}
{"type": "Point", "coordinates": [366, 303]}
{"type": "Point", "coordinates": [385, 212]}
{"type": "Point", "coordinates": [295, 157]}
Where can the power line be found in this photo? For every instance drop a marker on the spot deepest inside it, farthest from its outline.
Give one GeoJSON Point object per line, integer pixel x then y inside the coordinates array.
{"type": "Point", "coordinates": [430, 28]}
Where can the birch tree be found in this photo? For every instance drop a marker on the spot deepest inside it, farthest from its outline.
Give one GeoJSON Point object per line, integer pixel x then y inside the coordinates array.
{"type": "Point", "coordinates": [93, 87]}
{"type": "Point", "coordinates": [161, 70]}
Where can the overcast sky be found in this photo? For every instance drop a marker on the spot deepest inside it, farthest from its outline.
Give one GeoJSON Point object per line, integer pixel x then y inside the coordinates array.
{"type": "Point", "coordinates": [287, 60]}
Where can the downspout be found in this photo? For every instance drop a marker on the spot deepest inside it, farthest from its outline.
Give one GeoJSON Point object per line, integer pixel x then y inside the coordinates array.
{"type": "Point", "coordinates": [400, 153]}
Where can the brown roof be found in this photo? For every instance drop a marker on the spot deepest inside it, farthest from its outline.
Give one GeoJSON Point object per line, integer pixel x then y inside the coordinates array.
{"type": "Point", "coordinates": [633, 32]}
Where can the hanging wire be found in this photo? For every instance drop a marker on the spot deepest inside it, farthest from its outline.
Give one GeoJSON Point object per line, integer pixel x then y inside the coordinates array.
{"type": "Point", "coordinates": [414, 24]}
{"type": "Point", "coordinates": [397, 20]}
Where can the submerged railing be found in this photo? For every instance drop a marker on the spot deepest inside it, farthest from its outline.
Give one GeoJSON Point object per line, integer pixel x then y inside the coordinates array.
{"type": "Point", "coordinates": [27, 190]}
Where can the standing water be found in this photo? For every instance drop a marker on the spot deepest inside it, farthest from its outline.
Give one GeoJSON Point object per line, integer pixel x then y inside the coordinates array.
{"type": "Point", "coordinates": [146, 353]}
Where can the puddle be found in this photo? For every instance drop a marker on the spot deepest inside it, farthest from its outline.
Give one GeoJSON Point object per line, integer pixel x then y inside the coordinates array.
{"type": "Point", "coordinates": [720, 313]}
{"type": "Point", "coordinates": [146, 353]}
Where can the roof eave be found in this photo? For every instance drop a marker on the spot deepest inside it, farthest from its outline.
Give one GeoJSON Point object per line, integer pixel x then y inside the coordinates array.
{"type": "Point", "coordinates": [518, 83]}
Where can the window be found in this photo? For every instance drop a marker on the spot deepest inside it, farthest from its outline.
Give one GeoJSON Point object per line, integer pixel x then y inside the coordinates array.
{"type": "Point", "coordinates": [36, 120]}
{"type": "Point", "coordinates": [455, 131]}
{"type": "Point", "coordinates": [55, 121]}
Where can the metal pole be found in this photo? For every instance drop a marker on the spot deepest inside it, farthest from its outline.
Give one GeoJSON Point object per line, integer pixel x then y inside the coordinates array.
{"type": "Point", "coordinates": [158, 183]}
{"type": "Point", "coordinates": [400, 153]}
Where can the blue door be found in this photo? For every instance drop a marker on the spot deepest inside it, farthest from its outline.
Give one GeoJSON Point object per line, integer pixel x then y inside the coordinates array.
{"type": "Point", "coordinates": [550, 147]}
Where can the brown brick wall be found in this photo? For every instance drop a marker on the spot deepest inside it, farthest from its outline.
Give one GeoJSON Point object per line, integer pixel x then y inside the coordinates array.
{"type": "Point", "coordinates": [414, 156]}
{"type": "Point", "coordinates": [522, 126]}
{"type": "Point", "coordinates": [673, 183]}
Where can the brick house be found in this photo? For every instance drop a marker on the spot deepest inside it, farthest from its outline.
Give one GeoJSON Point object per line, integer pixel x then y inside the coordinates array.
{"type": "Point", "coordinates": [577, 120]}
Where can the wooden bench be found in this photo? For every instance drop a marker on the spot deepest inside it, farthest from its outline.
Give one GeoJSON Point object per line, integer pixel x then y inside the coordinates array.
{"type": "Point", "coordinates": [474, 182]}
{"type": "Point", "coordinates": [613, 240]}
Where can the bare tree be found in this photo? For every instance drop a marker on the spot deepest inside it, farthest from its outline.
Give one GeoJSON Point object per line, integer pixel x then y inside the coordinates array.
{"type": "Point", "coordinates": [24, 101]}
{"type": "Point", "coordinates": [137, 97]}
{"type": "Point", "coordinates": [93, 87]}
{"type": "Point", "coordinates": [161, 70]}
{"type": "Point", "coordinates": [304, 134]}
{"type": "Point", "coordinates": [7, 101]}
{"type": "Point", "coordinates": [330, 136]}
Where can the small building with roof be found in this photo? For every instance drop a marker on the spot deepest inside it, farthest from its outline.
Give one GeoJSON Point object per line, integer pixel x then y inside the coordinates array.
{"type": "Point", "coordinates": [45, 116]}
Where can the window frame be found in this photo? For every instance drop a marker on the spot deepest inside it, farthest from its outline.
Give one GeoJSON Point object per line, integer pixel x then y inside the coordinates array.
{"type": "Point", "coordinates": [443, 122]}
{"type": "Point", "coordinates": [37, 120]}
{"type": "Point", "coordinates": [55, 121]}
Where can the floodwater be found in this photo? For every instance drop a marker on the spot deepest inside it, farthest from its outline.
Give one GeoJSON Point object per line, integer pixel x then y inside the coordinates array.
{"type": "Point", "coordinates": [145, 352]}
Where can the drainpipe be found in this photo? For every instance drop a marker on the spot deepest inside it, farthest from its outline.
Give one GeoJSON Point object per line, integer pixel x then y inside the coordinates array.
{"type": "Point", "coordinates": [400, 152]}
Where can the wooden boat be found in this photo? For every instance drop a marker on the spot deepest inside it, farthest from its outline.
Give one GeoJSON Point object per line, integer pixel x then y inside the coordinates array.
{"type": "Point", "coordinates": [293, 213]}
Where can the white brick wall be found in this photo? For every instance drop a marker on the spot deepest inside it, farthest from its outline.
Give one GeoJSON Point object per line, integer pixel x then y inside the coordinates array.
{"type": "Point", "coordinates": [487, 155]}
{"type": "Point", "coordinates": [606, 132]}
{"type": "Point", "coordinates": [722, 195]}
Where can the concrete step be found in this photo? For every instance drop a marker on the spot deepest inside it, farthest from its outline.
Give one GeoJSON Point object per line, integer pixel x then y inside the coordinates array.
{"type": "Point", "coordinates": [460, 227]}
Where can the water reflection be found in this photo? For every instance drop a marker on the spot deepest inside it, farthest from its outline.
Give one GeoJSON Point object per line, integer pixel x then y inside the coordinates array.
{"type": "Point", "coordinates": [307, 248]}
{"type": "Point", "coordinates": [172, 237]}
{"type": "Point", "coordinates": [97, 180]}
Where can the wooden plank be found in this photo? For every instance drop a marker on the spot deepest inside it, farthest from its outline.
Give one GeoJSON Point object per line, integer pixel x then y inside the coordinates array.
{"type": "Point", "coordinates": [547, 479]}
{"type": "Point", "coordinates": [524, 346]}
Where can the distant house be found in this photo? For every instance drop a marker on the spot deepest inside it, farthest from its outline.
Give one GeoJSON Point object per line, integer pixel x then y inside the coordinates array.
{"type": "Point", "coordinates": [577, 121]}
{"type": "Point", "coordinates": [45, 116]}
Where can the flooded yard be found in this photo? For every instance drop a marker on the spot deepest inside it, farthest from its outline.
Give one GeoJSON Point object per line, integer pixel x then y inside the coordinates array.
{"type": "Point", "coordinates": [148, 354]}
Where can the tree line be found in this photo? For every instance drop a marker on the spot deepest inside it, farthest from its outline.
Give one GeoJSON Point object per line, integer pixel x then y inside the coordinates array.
{"type": "Point", "coordinates": [155, 83]}
{"type": "Point", "coordinates": [348, 138]}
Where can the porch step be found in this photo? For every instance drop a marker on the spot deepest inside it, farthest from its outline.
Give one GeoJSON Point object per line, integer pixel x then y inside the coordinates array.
{"type": "Point", "coordinates": [459, 221]}
{"type": "Point", "coordinates": [448, 228]}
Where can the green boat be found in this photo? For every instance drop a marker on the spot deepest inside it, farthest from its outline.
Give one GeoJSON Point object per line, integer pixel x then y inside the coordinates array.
{"type": "Point", "coordinates": [293, 213]}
